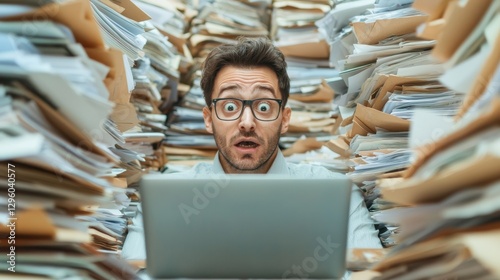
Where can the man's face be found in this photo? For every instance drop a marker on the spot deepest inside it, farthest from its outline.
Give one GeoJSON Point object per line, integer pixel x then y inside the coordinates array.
{"type": "Point", "coordinates": [246, 144]}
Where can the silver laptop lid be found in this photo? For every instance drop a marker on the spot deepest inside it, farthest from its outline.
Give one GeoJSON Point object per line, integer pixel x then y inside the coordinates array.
{"type": "Point", "coordinates": [245, 226]}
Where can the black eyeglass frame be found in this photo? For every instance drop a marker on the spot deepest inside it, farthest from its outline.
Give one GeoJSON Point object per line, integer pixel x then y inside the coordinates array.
{"type": "Point", "coordinates": [249, 104]}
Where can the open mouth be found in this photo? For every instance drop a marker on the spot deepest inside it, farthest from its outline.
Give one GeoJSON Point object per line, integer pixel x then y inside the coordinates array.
{"type": "Point", "coordinates": [247, 144]}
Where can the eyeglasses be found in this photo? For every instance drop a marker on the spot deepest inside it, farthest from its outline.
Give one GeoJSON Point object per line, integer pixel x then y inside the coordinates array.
{"type": "Point", "coordinates": [263, 109]}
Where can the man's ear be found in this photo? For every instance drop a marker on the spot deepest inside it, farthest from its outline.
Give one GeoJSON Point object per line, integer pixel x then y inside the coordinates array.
{"type": "Point", "coordinates": [207, 117]}
{"type": "Point", "coordinates": [285, 121]}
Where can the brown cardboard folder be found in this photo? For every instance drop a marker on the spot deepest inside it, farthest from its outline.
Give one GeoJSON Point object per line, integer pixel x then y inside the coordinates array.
{"type": "Point", "coordinates": [477, 244]}
{"type": "Point", "coordinates": [316, 50]}
{"type": "Point", "coordinates": [374, 119]}
{"type": "Point", "coordinates": [390, 83]}
{"type": "Point", "coordinates": [433, 8]}
{"type": "Point", "coordinates": [431, 30]}
{"type": "Point", "coordinates": [324, 94]}
{"type": "Point", "coordinates": [116, 80]}
{"type": "Point", "coordinates": [75, 14]}
{"type": "Point", "coordinates": [461, 17]}
{"type": "Point", "coordinates": [132, 11]}
{"type": "Point", "coordinates": [474, 172]}
{"type": "Point", "coordinates": [124, 113]}
{"type": "Point", "coordinates": [35, 224]}
{"type": "Point", "coordinates": [489, 118]}
{"type": "Point", "coordinates": [340, 146]}
{"type": "Point", "coordinates": [372, 32]}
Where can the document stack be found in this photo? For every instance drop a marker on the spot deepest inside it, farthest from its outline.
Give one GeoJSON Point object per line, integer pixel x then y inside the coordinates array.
{"type": "Point", "coordinates": [158, 86]}
{"type": "Point", "coordinates": [172, 20]}
{"type": "Point", "coordinates": [313, 112]}
{"type": "Point", "coordinates": [157, 83]}
{"type": "Point", "coordinates": [217, 23]}
{"type": "Point", "coordinates": [149, 66]}
{"type": "Point", "coordinates": [389, 73]}
{"type": "Point", "coordinates": [449, 228]}
{"type": "Point", "coordinates": [294, 32]}
{"type": "Point", "coordinates": [70, 131]}
{"type": "Point", "coordinates": [158, 77]}
{"type": "Point", "coordinates": [65, 87]}
{"type": "Point", "coordinates": [336, 30]}
{"type": "Point", "coordinates": [187, 139]}
{"type": "Point", "coordinates": [125, 27]}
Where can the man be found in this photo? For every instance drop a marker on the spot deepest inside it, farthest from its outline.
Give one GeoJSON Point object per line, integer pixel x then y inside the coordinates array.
{"type": "Point", "coordinates": [246, 88]}
{"type": "Point", "coordinates": [247, 136]}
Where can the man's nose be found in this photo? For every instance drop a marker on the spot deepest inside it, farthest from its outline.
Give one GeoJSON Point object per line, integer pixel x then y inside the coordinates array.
{"type": "Point", "coordinates": [247, 120]}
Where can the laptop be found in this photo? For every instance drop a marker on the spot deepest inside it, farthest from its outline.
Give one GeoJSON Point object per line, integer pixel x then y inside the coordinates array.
{"type": "Point", "coordinates": [245, 226]}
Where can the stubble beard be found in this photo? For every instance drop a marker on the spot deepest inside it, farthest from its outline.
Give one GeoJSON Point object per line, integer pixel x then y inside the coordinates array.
{"type": "Point", "coordinates": [244, 167]}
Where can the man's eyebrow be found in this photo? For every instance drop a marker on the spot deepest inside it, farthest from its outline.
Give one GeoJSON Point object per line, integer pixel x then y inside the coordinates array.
{"type": "Point", "coordinates": [267, 88]}
{"type": "Point", "coordinates": [228, 87]}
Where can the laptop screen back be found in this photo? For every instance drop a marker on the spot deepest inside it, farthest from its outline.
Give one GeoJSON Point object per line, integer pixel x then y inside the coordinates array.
{"type": "Point", "coordinates": [245, 226]}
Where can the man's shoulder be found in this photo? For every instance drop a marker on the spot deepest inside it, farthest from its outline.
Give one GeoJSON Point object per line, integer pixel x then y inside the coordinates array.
{"type": "Point", "coordinates": [311, 170]}
{"type": "Point", "coordinates": [201, 168]}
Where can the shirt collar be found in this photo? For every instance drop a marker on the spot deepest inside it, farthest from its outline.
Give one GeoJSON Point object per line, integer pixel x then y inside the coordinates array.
{"type": "Point", "coordinates": [217, 167]}
{"type": "Point", "coordinates": [279, 165]}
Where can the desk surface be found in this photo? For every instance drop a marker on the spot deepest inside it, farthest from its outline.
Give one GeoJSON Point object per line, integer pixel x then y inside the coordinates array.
{"type": "Point", "coordinates": [359, 275]}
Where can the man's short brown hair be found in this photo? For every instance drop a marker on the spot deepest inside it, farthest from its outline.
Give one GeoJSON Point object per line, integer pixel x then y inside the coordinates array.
{"type": "Point", "coordinates": [246, 53]}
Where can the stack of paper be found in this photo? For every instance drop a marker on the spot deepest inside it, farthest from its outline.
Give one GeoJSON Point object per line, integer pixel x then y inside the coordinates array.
{"type": "Point", "coordinates": [171, 20]}
{"type": "Point", "coordinates": [471, 57]}
{"type": "Point", "coordinates": [379, 154]}
{"type": "Point", "coordinates": [194, 98]}
{"type": "Point", "coordinates": [335, 28]}
{"type": "Point", "coordinates": [310, 89]}
{"type": "Point", "coordinates": [186, 120]}
{"type": "Point", "coordinates": [54, 110]}
{"type": "Point", "coordinates": [306, 52]}
{"type": "Point", "coordinates": [405, 99]}
{"type": "Point", "coordinates": [364, 42]}
{"type": "Point", "coordinates": [157, 78]}
{"type": "Point", "coordinates": [187, 137]}
{"type": "Point", "coordinates": [46, 251]}
{"type": "Point", "coordinates": [332, 24]}
{"type": "Point", "coordinates": [389, 74]}
{"type": "Point", "coordinates": [67, 97]}
{"type": "Point", "coordinates": [372, 143]}
{"type": "Point", "coordinates": [311, 126]}
{"type": "Point", "coordinates": [455, 180]}
{"type": "Point", "coordinates": [374, 63]}
{"type": "Point", "coordinates": [293, 28]}
{"type": "Point", "coordinates": [218, 23]}
{"type": "Point", "coordinates": [313, 113]}
{"type": "Point", "coordinates": [119, 31]}
{"type": "Point", "coordinates": [451, 186]}
{"type": "Point", "coordinates": [444, 17]}
{"type": "Point", "coordinates": [107, 228]}
{"type": "Point", "coordinates": [154, 80]}
{"type": "Point", "coordinates": [162, 54]}
{"type": "Point", "coordinates": [187, 140]}
{"type": "Point", "coordinates": [311, 78]}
